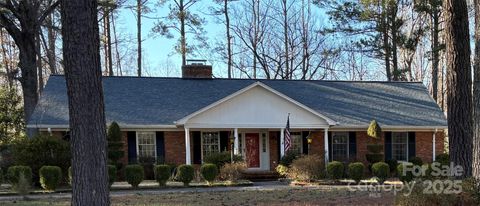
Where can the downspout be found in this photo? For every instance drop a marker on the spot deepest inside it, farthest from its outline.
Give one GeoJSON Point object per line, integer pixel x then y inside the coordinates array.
{"type": "Point", "coordinates": [433, 144]}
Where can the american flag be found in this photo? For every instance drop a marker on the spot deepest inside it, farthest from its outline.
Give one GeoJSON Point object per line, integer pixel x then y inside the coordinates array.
{"type": "Point", "coordinates": [288, 138]}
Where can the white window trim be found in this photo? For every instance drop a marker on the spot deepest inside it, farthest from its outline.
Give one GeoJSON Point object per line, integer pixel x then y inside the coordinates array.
{"type": "Point", "coordinates": [154, 143]}
{"type": "Point", "coordinates": [201, 141]}
{"type": "Point", "coordinates": [408, 145]}
{"type": "Point", "coordinates": [348, 144]}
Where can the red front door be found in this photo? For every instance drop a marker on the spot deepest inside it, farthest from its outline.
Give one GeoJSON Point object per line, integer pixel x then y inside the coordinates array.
{"type": "Point", "coordinates": [252, 149]}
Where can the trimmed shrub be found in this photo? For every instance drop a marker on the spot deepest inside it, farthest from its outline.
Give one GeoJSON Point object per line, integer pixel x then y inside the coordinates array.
{"type": "Point", "coordinates": [356, 171]}
{"type": "Point", "coordinates": [381, 171]}
{"type": "Point", "coordinates": [393, 165]}
{"type": "Point", "coordinates": [162, 174]}
{"type": "Point", "coordinates": [443, 159]}
{"type": "Point", "coordinates": [115, 145]}
{"type": "Point", "coordinates": [416, 161]}
{"type": "Point", "coordinates": [374, 153]}
{"type": "Point", "coordinates": [112, 174]}
{"type": "Point", "coordinates": [374, 130]}
{"type": "Point", "coordinates": [306, 168]}
{"type": "Point", "coordinates": [403, 175]}
{"type": "Point", "coordinates": [282, 170]}
{"type": "Point", "coordinates": [185, 174]}
{"type": "Point", "coordinates": [50, 177]}
{"type": "Point", "coordinates": [134, 175]}
{"type": "Point", "coordinates": [335, 170]}
{"type": "Point", "coordinates": [42, 150]}
{"type": "Point", "coordinates": [232, 171]}
{"type": "Point", "coordinates": [209, 172]}
{"type": "Point", "coordinates": [221, 158]}
{"type": "Point", "coordinates": [288, 158]}
{"type": "Point", "coordinates": [14, 173]}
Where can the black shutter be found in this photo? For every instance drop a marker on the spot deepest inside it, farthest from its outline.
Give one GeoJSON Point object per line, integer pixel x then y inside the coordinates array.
{"type": "Point", "coordinates": [352, 145]}
{"type": "Point", "coordinates": [132, 147]}
{"type": "Point", "coordinates": [388, 145]}
{"type": "Point", "coordinates": [224, 140]}
{"type": "Point", "coordinates": [330, 152]}
{"type": "Point", "coordinates": [305, 142]}
{"type": "Point", "coordinates": [197, 147]}
{"type": "Point", "coordinates": [160, 147]}
{"type": "Point", "coordinates": [411, 144]}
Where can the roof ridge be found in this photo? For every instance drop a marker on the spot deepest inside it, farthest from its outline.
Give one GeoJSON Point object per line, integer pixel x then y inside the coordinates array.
{"type": "Point", "coordinates": [241, 79]}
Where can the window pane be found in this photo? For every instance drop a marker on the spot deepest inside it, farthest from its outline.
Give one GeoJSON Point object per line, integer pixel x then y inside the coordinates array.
{"type": "Point", "coordinates": [146, 144]}
{"type": "Point", "coordinates": [210, 143]}
{"type": "Point", "coordinates": [400, 146]}
{"type": "Point", "coordinates": [340, 146]}
{"type": "Point", "coordinates": [297, 144]}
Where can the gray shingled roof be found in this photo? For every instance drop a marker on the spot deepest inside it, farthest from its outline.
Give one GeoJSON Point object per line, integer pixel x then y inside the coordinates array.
{"type": "Point", "coordinates": [161, 101]}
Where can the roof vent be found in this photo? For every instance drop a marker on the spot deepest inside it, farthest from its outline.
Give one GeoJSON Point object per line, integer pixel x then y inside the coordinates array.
{"type": "Point", "coordinates": [197, 68]}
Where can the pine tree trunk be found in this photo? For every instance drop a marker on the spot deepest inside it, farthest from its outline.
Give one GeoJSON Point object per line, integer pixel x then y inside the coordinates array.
{"type": "Point", "coordinates": [459, 81]}
{"type": "Point", "coordinates": [229, 39]}
{"type": "Point", "coordinates": [476, 95]}
{"type": "Point", "coordinates": [183, 38]}
{"type": "Point", "coordinates": [108, 42]}
{"type": "Point", "coordinates": [435, 52]}
{"type": "Point", "coordinates": [86, 106]}
{"type": "Point", "coordinates": [52, 63]}
{"type": "Point", "coordinates": [139, 38]}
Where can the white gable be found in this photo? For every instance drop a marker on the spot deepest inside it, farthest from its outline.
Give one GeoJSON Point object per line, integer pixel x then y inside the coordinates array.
{"type": "Point", "coordinates": [256, 106]}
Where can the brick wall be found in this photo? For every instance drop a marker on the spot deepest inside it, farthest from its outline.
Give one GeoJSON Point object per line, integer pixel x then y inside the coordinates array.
{"type": "Point", "coordinates": [317, 145]}
{"type": "Point", "coordinates": [423, 142]}
{"type": "Point", "coordinates": [124, 159]}
{"type": "Point", "coordinates": [175, 147]}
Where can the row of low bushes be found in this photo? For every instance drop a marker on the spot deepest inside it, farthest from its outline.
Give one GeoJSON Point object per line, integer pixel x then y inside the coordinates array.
{"type": "Point", "coordinates": [311, 167]}
{"type": "Point", "coordinates": [134, 174]}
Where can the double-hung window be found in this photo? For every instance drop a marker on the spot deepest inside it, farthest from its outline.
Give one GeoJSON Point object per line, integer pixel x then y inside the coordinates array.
{"type": "Point", "coordinates": [146, 145]}
{"type": "Point", "coordinates": [340, 146]}
{"type": "Point", "coordinates": [400, 146]}
{"type": "Point", "coordinates": [297, 144]}
{"type": "Point", "coordinates": [210, 143]}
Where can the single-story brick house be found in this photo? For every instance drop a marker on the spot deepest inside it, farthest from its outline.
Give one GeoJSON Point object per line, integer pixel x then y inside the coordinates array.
{"type": "Point", "coordinates": [183, 119]}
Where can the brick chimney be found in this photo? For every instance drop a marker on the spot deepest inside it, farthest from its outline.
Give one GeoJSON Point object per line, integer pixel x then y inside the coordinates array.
{"type": "Point", "coordinates": [197, 69]}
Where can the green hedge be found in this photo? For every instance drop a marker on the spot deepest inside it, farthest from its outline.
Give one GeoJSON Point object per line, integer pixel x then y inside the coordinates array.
{"type": "Point", "coordinates": [443, 159]}
{"type": "Point", "coordinates": [209, 172]}
{"type": "Point", "coordinates": [381, 170]}
{"type": "Point", "coordinates": [112, 174]}
{"type": "Point", "coordinates": [356, 171]}
{"type": "Point", "coordinates": [407, 177]}
{"type": "Point", "coordinates": [416, 161]}
{"type": "Point", "coordinates": [162, 174]}
{"type": "Point", "coordinates": [134, 175]}
{"type": "Point", "coordinates": [335, 170]}
{"type": "Point", "coordinates": [185, 174]}
{"type": "Point", "coordinates": [50, 177]}
{"type": "Point", "coordinates": [14, 173]}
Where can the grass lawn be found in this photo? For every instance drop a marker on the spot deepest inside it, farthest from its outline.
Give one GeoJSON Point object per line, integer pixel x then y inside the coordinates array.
{"type": "Point", "coordinates": [282, 196]}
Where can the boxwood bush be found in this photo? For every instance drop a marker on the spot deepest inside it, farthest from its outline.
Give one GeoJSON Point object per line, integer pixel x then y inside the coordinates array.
{"type": "Point", "coordinates": [112, 174]}
{"type": "Point", "coordinates": [381, 170]}
{"type": "Point", "coordinates": [392, 164]}
{"type": "Point", "coordinates": [356, 171]}
{"type": "Point", "coordinates": [404, 177]}
{"type": "Point", "coordinates": [209, 172]}
{"type": "Point", "coordinates": [335, 170]}
{"type": "Point", "coordinates": [443, 159]}
{"type": "Point", "coordinates": [185, 174]}
{"type": "Point", "coordinates": [162, 174]}
{"type": "Point", "coordinates": [416, 161]}
{"type": "Point", "coordinates": [221, 158]}
{"type": "Point", "coordinates": [134, 174]}
{"type": "Point", "coordinates": [14, 173]}
{"type": "Point", "coordinates": [50, 177]}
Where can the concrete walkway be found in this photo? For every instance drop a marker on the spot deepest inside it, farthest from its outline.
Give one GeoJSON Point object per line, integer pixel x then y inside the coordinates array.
{"type": "Point", "coordinates": [272, 185]}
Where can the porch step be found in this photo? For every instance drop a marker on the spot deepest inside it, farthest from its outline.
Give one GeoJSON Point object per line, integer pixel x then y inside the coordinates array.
{"type": "Point", "coordinates": [257, 176]}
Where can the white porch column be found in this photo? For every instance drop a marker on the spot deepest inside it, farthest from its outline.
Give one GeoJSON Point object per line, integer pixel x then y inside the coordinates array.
{"type": "Point", "coordinates": [282, 143]}
{"type": "Point", "coordinates": [188, 157]}
{"type": "Point", "coordinates": [325, 138]}
{"type": "Point", "coordinates": [433, 145]}
{"type": "Point", "coordinates": [236, 142]}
